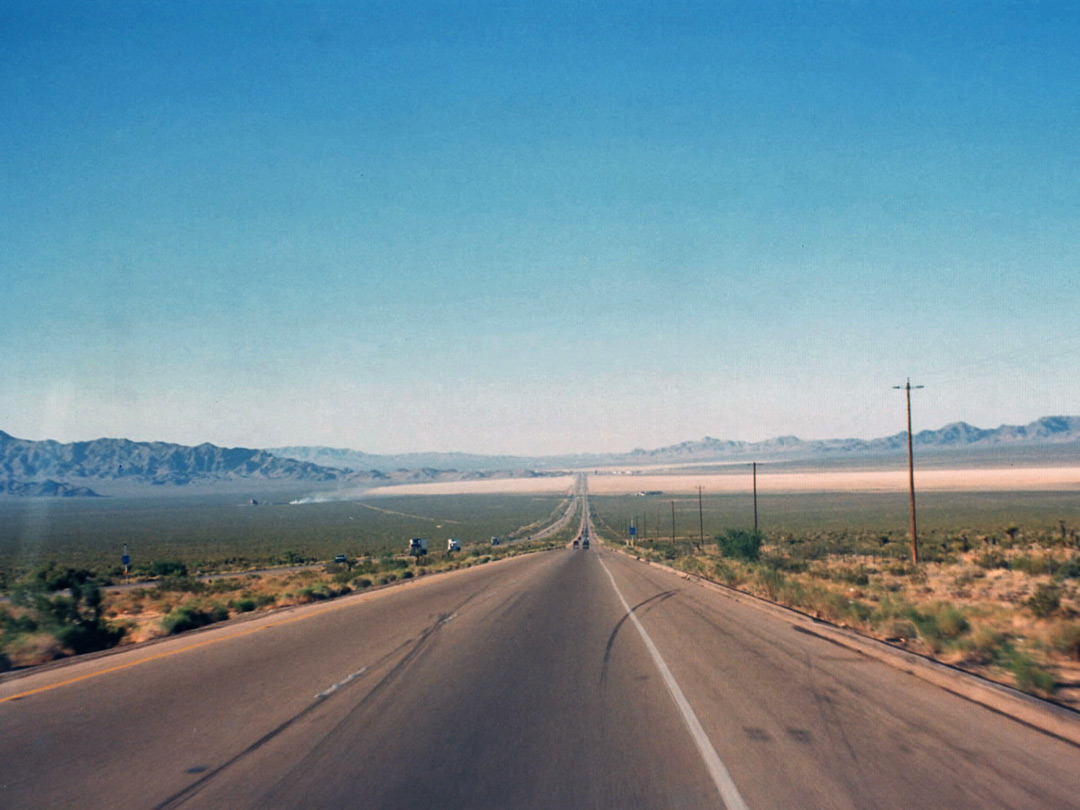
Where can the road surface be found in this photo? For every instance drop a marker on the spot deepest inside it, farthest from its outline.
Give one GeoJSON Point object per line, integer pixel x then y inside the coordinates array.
{"type": "Point", "coordinates": [519, 684]}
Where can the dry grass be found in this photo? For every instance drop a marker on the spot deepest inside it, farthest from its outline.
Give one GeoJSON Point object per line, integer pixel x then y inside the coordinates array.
{"type": "Point", "coordinates": [1011, 614]}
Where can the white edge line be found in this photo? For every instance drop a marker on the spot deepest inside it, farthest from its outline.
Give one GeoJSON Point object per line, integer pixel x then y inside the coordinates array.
{"type": "Point", "coordinates": [733, 800]}
{"type": "Point", "coordinates": [341, 683]}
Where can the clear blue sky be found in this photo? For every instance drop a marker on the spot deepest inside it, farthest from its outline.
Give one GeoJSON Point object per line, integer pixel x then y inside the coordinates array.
{"type": "Point", "coordinates": [535, 227]}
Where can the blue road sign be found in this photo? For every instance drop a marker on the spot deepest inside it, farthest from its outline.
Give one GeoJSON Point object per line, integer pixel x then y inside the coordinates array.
{"type": "Point", "coordinates": [633, 530]}
{"type": "Point", "coordinates": [126, 559]}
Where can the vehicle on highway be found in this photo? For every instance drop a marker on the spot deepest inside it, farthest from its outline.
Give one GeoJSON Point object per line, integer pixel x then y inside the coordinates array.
{"type": "Point", "coordinates": [585, 543]}
{"type": "Point", "coordinates": [576, 542]}
{"type": "Point", "coordinates": [495, 541]}
{"type": "Point", "coordinates": [341, 558]}
{"type": "Point", "coordinates": [417, 547]}
{"type": "Point", "coordinates": [453, 545]}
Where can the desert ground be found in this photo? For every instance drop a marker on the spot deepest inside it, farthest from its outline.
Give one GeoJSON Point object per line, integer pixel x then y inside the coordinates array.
{"type": "Point", "coordinates": [628, 481]}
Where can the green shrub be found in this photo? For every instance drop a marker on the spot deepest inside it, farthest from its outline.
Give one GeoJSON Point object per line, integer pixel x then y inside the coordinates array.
{"type": "Point", "coordinates": [89, 636]}
{"type": "Point", "coordinates": [858, 611]}
{"type": "Point", "coordinates": [1030, 677]}
{"type": "Point", "coordinates": [52, 578]}
{"type": "Point", "coordinates": [986, 645]}
{"type": "Point", "coordinates": [727, 574]}
{"type": "Point", "coordinates": [15, 625]}
{"type": "Point", "coordinates": [830, 605]}
{"type": "Point", "coordinates": [319, 593]}
{"type": "Point", "coordinates": [779, 562]}
{"type": "Point", "coordinates": [168, 568]}
{"type": "Point", "coordinates": [1066, 639]}
{"type": "Point", "coordinates": [900, 569]}
{"type": "Point", "coordinates": [1069, 569]}
{"type": "Point", "coordinates": [740, 544]}
{"type": "Point", "coordinates": [180, 584]}
{"type": "Point", "coordinates": [1033, 565]}
{"type": "Point", "coordinates": [190, 618]}
{"type": "Point", "coordinates": [941, 625]}
{"type": "Point", "coordinates": [244, 605]}
{"type": "Point", "coordinates": [771, 582]}
{"type": "Point", "coordinates": [896, 629]}
{"type": "Point", "coordinates": [1045, 601]}
{"type": "Point", "coordinates": [853, 575]}
{"type": "Point", "coordinates": [992, 559]}
{"type": "Point", "coordinates": [793, 593]}
{"type": "Point", "coordinates": [951, 621]}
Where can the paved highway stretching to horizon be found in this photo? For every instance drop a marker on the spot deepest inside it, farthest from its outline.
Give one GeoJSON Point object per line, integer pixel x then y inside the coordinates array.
{"type": "Point", "coordinates": [526, 683]}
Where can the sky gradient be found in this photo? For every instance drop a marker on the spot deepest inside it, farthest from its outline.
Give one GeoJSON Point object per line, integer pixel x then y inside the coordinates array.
{"type": "Point", "coordinates": [535, 228]}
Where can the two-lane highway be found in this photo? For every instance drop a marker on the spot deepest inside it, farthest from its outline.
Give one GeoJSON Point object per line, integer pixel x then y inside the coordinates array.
{"type": "Point", "coordinates": [524, 683]}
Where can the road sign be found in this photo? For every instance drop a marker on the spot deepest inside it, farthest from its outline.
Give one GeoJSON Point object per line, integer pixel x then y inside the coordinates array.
{"type": "Point", "coordinates": [126, 560]}
{"type": "Point", "coordinates": [633, 531]}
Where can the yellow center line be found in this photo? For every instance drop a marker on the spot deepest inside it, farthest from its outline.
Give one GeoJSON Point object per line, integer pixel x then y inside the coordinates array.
{"type": "Point", "coordinates": [188, 648]}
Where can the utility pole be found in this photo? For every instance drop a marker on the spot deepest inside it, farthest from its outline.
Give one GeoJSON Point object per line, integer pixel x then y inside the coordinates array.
{"type": "Point", "coordinates": [755, 498]}
{"type": "Point", "coordinates": [701, 520]}
{"type": "Point", "coordinates": [673, 523]}
{"type": "Point", "coordinates": [911, 469]}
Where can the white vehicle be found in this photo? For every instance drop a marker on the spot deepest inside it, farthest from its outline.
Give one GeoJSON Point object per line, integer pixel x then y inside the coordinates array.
{"type": "Point", "coordinates": [453, 545]}
{"type": "Point", "coordinates": [417, 547]}
{"type": "Point", "coordinates": [495, 541]}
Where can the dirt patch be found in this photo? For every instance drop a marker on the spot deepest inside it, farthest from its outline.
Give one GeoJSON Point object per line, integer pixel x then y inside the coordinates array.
{"type": "Point", "coordinates": [1000, 479]}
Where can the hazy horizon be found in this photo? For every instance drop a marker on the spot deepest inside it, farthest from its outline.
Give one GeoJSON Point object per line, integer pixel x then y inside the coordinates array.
{"type": "Point", "coordinates": [539, 230]}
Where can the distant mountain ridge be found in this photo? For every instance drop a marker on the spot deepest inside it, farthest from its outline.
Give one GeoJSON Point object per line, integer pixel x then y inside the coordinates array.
{"type": "Point", "coordinates": [24, 462]}
{"type": "Point", "coordinates": [957, 435]}
{"type": "Point", "coordinates": [50, 468]}
{"type": "Point", "coordinates": [356, 460]}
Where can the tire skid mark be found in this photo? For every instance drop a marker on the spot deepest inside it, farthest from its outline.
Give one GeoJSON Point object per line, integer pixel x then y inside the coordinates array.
{"type": "Point", "coordinates": [655, 598]}
{"type": "Point", "coordinates": [412, 648]}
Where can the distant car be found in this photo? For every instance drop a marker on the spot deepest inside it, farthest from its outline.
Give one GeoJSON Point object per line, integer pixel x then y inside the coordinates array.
{"type": "Point", "coordinates": [577, 543]}
{"type": "Point", "coordinates": [585, 543]}
{"type": "Point", "coordinates": [495, 541]}
{"type": "Point", "coordinates": [417, 547]}
{"type": "Point", "coordinates": [453, 545]}
{"type": "Point", "coordinates": [341, 558]}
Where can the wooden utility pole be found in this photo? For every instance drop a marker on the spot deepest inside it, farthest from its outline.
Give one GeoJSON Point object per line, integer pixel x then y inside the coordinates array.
{"type": "Point", "coordinates": [701, 520]}
{"type": "Point", "coordinates": [911, 470]}
{"type": "Point", "coordinates": [673, 522]}
{"type": "Point", "coordinates": [755, 497]}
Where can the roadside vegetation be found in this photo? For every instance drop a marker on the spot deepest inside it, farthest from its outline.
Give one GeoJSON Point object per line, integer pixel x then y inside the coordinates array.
{"type": "Point", "coordinates": [54, 612]}
{"type": "Point", "coordinates": [214, 533]}
{"type": "Point", "coordinates": [1003, 603]}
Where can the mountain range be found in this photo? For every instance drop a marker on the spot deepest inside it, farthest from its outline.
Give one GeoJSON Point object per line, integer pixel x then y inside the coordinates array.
{"type": "Point", "coordinates": [1055, 430]}
{"type": "Point", "coordinates": [50, 468]}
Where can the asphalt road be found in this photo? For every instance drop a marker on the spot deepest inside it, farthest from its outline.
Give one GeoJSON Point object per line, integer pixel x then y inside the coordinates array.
{"type": "Point", "coordinates": [518, 684]}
